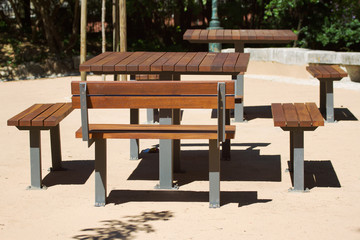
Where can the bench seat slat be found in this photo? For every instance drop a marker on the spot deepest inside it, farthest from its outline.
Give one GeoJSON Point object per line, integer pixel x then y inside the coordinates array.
{"type": "Point", "coordinates": [145, 131]}
{"type": "Point", "coordinates": [278, 115]}
{"type": "Point", "coordinates": [59, 115]}
{"type": "Point", "coordinates": [328, 72]}
{"type": "Point", "coordinates": [26, 121]}
{"type": "Point", "coordinates": [39, 120]}
{"type": "Point", "coordinates": [303, 114]}
{"type": "Point", "coordinates": [291, 116]}
{"type": "Point", "coordinates": [317, 119]}
{"type": "Point", "coordinates": [14, 121]}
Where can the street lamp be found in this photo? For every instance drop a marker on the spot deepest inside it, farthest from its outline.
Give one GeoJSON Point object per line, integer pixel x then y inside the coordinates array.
{"type": "Point", "coordinates": [214, 24]}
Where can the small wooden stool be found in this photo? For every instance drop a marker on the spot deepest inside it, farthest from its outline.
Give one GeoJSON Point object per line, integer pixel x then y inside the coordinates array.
{"type": "Point", "coordinates": [297, 118]}
{"type": "Point", "coordinates": [36, 118]}
{"type": "Point", "coordinates": [327, 74]}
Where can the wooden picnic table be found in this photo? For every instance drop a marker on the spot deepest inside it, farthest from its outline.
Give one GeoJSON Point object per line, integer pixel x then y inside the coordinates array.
{"type": "Point", "coordinates": [169, 66]}
{"type": "Point", "coordinates": [239, 37]}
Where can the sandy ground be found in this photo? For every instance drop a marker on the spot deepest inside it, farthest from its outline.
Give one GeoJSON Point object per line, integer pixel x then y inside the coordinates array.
{"type": "Point", "coordinates": [256, 203]}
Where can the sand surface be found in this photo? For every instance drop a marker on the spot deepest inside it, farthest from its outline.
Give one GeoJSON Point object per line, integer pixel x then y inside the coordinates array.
{"type": "Point", "coordinates": [256, 203]}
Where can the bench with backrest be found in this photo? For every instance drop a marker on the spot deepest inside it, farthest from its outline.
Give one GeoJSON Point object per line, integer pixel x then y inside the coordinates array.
{"type": "Point", "coordinates": [163, 95]}
{"type": "Point", "coordinates": [34, 119]}
{"type": "Point", "coordinates": [327, 74]}
{"type": "Point", "coordinates": [297, 118]}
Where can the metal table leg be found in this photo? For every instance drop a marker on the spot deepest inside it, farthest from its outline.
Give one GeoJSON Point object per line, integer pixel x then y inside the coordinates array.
{"type": "Point", "coordinates": [239, 91]}
{"type": "Point", "coordinates": [35, 159]}
{"type": "Point", "coordinates": [100, 172]}
{"type": "Point", "coordinates": [55, 148]}
{"type": "Point", "coordinates": [214, 174]}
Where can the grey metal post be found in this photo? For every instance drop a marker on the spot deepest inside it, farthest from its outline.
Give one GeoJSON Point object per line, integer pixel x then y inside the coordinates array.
{"type": "Point", "coordinates": [166, 154]}
{"type": "Point", "coordinates": [329, 101]}
{"type": "Point", "coordinates": [55, 148]}
{"type": "Point", "coordinates": [298, 160]}
{"type": "Point", "coordinates": [214, 174]}
{"type": "Point", "coordinates": [239, 91]}
{"type": "Point", "coordinates": [100, 172]}
{"type": "Point", "coordinates": [150, 116]}
{"type": "Point", "coordinates": [35, 159]}
{"type": "Point", "coordinates": [214, 24]}
{"type": "Point", "coordinates": [134, 143]}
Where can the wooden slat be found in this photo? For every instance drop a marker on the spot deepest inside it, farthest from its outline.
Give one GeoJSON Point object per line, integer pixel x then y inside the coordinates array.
{"type": "Point", "coordinates": [99, 65]}
{"type": "Point", "coordinates": [290, 34]}
{"type": "Point", "coordinates": [260, 35]}
{"type": "Point", "coordinates": [227, 34]}
{"type": "Point", "coordinates": [175, 102]}
{"type": "Point", "coordinates": [333, 73]}
{"type": "Point", "coordinates": [14, 121]}
{"type": "Point", "coordinates": [187, 34]}
{"type": "Point", "coordinates": [182, 64]}
{"type": "Point", "coordinates": [339, 70]}
{"type": "Point", "coordinates": [86, 66]}
{"type": "Point", "coordinates": [268, 35]}
{"type": "Point", "coordinates": [324, 71]}
{"type": "Point", "coordinates": [151, 88]}
{"type": "Point", "coordinates": [206, 64]}
{"type": "Point", "coordinates": [317, 119]}
{"type": "Point", "coordinates": [157, 66]}
{"type": "Point", "coordinates": [59, 115]}
{"type": "Point", "coordinates": [110, 65]}
{"type": "Point", "coordinates": [242, 62]}
{"type": "Point", "coordinates": [212, 34]}
{"type": "Point", "coordinates": [230, 62]}
{"type": "Point", "coordinates": [196, 34]}
{"type": "Point", "coordinates": [244, 34]}
{"type": "Point", "coordinates": [39, 120]}
{"type": "Point", "coordinates": [235, 34]}
{"type": "Point", "coordinates": [121, 66]}
{"type": "Point", "coordinates": [219, 34]}
{"type": "Point", "coordinates": [26, 121]}
{"type": "Point", "coordinates": [278, 115]}
{"type": "Point", "coordinates": [134, 65]}
{"type": "Point", "coordinates": [204, 35]}
{"type": "Point", "coordinates": [313, 71]}
{"type": "Point", "coordinates": [251, 34]}
{"type": "Point", "coordinates": [144, 131]}
{"type": "Point", "coordinates": [303, 115]}
{"type": "Point", "coordinates": [170, 64]}
{"type": "Point", "coordinates": [291, 116]}
{"type": "Point", "coordinates": [146, 65]}
{"type": "Point", "coordinates": [217, 65]}
{"type": "Point", "coordinates": [193, 65]}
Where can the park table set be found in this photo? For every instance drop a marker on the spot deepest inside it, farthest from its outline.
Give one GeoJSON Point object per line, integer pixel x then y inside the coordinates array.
{"type": "Point", "coordinates": [170, 66]}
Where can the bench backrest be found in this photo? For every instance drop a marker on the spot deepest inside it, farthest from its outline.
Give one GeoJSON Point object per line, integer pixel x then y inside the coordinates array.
{"type": "Point", "coordinates": [154, 94]}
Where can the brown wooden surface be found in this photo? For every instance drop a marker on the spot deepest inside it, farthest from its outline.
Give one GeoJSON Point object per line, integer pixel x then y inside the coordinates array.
{"type": "Point", "coordinates": [241, 35]}
{"type": "Point", "coordinates": [330, 72]}
{"type": "Point", "coordinates": [144, 131]}
{"type": "Point", "coordinates": [296, 115]}
{"type": "Point", "coordinates": [41, 115]}
{"type": "Point", "coordinates": [167, 62]}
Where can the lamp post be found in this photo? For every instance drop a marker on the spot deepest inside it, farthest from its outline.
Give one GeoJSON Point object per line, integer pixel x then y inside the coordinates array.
{"type": "Point", "coordinates": [214, 24]}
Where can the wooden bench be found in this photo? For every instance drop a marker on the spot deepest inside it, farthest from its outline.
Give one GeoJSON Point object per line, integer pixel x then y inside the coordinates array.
{"type": "Point", "coordinates": [297, 118]}
{"type": "Point", "coordinates": [327, 74]}
{"type": "Point", "coordinates": [34, 119]}
{"type": "Point", "coordinates": [164, 95]}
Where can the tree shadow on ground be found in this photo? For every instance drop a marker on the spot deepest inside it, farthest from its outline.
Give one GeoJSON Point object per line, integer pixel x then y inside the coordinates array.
{"type": "Point", "coordinates": [245, 165]}
{"type": "Point", "coordinates": [124, 196]}
{"type": "Point", "coordinates": [75, 172]}
{"type": "Point", "coordinates": [117, 229]}
{"type": "Point", "coordinates": [319, 174]}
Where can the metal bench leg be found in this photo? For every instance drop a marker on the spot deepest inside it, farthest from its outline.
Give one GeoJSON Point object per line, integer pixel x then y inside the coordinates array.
{"type": "Point", "coordinates": [35, 159]}
{"type": "Point", "coordinates": [239, 91]}
{"type": "Point", "coordinates": [100, 172]}
{"type": "Point", "coordinates": [214, 174]}
{"type": "Point", "coordinates": [166, 154]}
{"type": "Point", "coordinates": [134, 143]}
{"type": "Point", "coordinates": [226, 145]}
{"type": "Point", "coordinates": [55, 148]}
{"type": "Point", "coordinates": [329, 101]}
{"type": "Point", "coordinates": [298, 150]}
{"type": "Point", "coordinates": [291, 165]}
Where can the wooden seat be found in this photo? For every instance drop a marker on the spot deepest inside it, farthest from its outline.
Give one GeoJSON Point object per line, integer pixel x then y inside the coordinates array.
{"type": "Point", "coordinates": [327, 74]}
{"type": "Point", "coordinates": [165, 95]}
{"type": "Point", "coordinates": [297, 118]}
{"type": "Point", "coordinates": [34, 119]}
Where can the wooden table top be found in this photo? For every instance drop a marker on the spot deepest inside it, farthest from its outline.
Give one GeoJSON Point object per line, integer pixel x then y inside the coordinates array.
{"type": "Point", "coordinates": [239, 35]}
{"type": "Point", "coordinates": [167, 62]}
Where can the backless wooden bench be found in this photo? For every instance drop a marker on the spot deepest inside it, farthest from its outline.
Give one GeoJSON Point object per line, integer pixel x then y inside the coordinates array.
{"type": "Point", "coordinates": [34, 119]}
{"type": "Point", "coordinates": [165, 95]}
{"type": "Point", "coordinates": [297, 118]}
{"type": "Point", "coordinates": [327, 74]}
